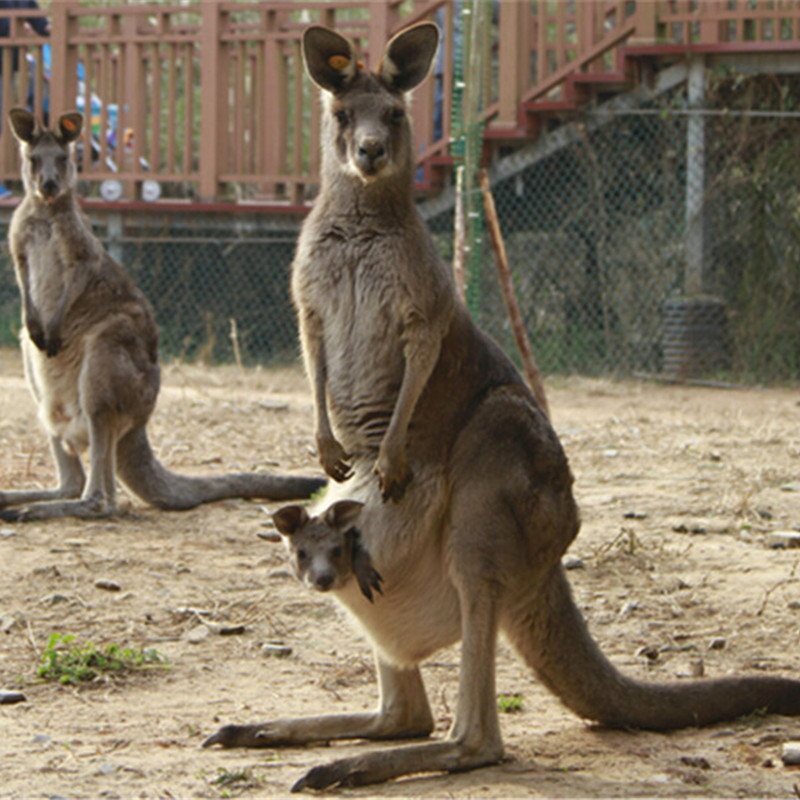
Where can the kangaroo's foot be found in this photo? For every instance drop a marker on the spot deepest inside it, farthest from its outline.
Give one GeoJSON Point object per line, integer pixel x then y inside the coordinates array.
{"type": "Point", "coordinates": [383, 765]}
{"type": "Point", "coordinates": [90, 508]}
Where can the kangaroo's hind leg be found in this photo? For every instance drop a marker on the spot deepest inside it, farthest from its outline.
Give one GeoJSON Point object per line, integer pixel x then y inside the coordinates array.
{"type": "Point", "coordinates": [71, 480]}
{"type": "Point", "coordinates": [403, 713]}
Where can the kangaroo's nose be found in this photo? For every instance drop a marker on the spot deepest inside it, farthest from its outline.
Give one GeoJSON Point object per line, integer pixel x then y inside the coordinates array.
{"type": "Point", "coordinates": [50, 187]}
{"type": "Point", "coordinates": [371, 155]}
{"type": "Point", "coordinates": [371, 148]}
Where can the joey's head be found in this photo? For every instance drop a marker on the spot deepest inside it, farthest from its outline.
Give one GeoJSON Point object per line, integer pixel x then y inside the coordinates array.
{"type": "Point", "coordinates": [48, 169]}
{"type": "Point", "coordinates": [320, 548]}
{"type": "Point", "coordinates": [366, 130]}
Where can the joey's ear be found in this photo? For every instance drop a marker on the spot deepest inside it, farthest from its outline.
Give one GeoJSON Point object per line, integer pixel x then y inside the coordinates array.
{"type": "Point", "coordinates": [24, 124]}
{"type": "Point", "coordinates": [408, 56]}
{"type": "Point", "coordinates": [329, 57]}
{"type": "Point", "coordinates": [343, 514]}
{"type": "Point", "coordinates": [290, 519]}
{"type": "Point", "coordinates": [70, 126]}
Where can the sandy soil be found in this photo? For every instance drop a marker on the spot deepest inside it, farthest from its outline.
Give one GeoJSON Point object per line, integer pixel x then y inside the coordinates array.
{"type": "Point", "coordinates": [679, 488]}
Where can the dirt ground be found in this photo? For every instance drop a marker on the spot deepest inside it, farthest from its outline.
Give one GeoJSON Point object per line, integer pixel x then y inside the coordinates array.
{"type": "Point", "coordinates": [679, 488]}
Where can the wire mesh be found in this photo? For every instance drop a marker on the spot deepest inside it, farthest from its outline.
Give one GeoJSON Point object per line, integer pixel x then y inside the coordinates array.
{"type": "Point", "coordinates": [596, 230]}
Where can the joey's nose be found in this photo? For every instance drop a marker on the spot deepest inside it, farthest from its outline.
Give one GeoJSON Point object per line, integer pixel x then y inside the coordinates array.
{"type": "Point", "coordinates": [324, 581]}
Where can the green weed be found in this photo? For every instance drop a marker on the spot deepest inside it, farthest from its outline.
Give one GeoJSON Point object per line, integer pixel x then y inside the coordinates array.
{"type": "Point", "coordinates": [66, 661]}
{"type": "Point", "coordinates": [509, 703]}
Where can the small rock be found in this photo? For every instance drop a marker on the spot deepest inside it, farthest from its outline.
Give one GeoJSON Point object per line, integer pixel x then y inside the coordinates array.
{"type": "Point", "coordinates": [9, 698]}
{"type": "Point", "coordinates": [698, 762]}
{"type": "Point", "coordinates": [269, 536]}
{"type": "Point", "coordinates": [198, 634]}
{"type": "Point", "coordinates": [54, 599]}
{"type": "Point", "coordinates": [628, 609]}
{"type": "Point", "coordinates": [697, 669]}
{"type": "Point", "coordinates": [41, 738]}
{"type": "Point", "coordinates": [108, 585]}
{"type": "Point", "coordinates": [635, 515]}
{"type": "Point", "coordinates": [790, 487]}
{"type": "Point", "coordinates": [783, 540]}
{"type": "Point", "coordinates": [231, 630]}
{"type": "Point", "coordinates": [76, 542]}
{"type": "Point", "coordinates": [648, 651]}
{"type": "Point", "coordinates": [790, 754]}
{"type": "Point", "coordinates": [717, 643]}
{"type": "Point", "coordinates": [276, 650]}
{"type": "Point", "coordinates": [572, 562]}
{"type": "Point", "coordinates": [7, 533]}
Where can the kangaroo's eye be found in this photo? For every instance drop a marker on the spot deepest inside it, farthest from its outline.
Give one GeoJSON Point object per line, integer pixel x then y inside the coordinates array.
{"type": "Point", "coordinates": [341, 117]}
{"type": "Point", "coordinates": [336, 552]}
{"type": "Point", "coordinates": [302, 555]}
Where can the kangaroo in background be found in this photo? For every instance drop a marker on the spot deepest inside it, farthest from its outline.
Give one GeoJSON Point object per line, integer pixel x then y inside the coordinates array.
{"type": "Point", "coordinates": [407, 386]}
{"type": "Point", "coordinates": [90, 351]}
{"type": "Point", "coordinates": [327, 551]}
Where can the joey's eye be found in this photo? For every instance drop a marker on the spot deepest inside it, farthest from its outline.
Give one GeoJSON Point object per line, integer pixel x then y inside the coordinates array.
{"type": "Point", "coordinates": [341, 116]}
{"type": "Point", "coordinates": [302, 555]}
{"type": "Point", "coordinates": [336, 552]}
{"type": "Point", "coordinates": [397, 116]}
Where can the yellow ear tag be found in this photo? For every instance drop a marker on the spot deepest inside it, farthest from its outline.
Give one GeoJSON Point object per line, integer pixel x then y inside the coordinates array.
{"type": "Point", "coordinates": [338, 62]}
{"type": "Point", "coordinates": [68, 124]}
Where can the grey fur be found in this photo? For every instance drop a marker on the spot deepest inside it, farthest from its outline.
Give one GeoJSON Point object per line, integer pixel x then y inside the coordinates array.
{"type": "Point", "coordinates": [90, 351]}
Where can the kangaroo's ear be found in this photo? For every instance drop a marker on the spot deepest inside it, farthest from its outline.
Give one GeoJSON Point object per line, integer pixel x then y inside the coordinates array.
{"type": "Point", "coordinates": [329, 57]}
{"type": "Point", "coordinates": [24, 125]}
{"type": "Point", "coordinates": [290, 519]}
{"type": "Point", "coordinates": [343, 514]}
{"type": "Point", "coordinates": [408, 56]}
{"type": "Point", "coordinates": [70, 126]}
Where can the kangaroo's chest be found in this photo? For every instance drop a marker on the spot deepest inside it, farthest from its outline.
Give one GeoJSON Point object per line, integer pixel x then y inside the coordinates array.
{"type": "Point", "coordinates": [47, 276]}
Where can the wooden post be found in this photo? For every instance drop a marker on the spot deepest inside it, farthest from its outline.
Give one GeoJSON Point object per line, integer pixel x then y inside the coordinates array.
{"type": "Point", "coordinates": [212, 107]}
{"type": "Point", "coordinates": [529, 367]}
{"type": "Point", "coordinates": [513, 59]}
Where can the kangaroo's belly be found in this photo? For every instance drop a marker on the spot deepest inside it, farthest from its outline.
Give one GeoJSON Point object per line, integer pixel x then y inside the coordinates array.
{"type": "Point", "coordinates": [419, 610]}
{"type": "Point", "coordinates": [54, 384]}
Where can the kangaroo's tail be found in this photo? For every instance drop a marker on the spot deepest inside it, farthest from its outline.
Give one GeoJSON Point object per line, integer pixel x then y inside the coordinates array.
{"type": "Point", "coordinates": [552, 636]}
{"type": "Point", "coordinates": [138, 467]}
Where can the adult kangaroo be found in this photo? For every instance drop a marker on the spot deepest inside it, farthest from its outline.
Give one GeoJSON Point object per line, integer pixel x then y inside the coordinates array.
{"type": "Point", "coordinates": [90, 351]}
{"type": "Point", "coordinates": [408, 387]}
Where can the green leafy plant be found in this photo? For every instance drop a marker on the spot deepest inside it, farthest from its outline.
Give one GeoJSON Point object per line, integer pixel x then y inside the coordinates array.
{"type": "Point", "coordinates": [66, 661]}
{"type": "Point", "coordinates": [509, 703]}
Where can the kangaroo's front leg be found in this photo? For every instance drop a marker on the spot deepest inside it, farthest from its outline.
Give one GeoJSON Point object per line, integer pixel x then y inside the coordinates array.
{"type": "Point", "coordinates": [332, 456]}
{"type": "Point", "coordinates": [403, 713]}
{"type": "Point", "coordinates": [422, 343]}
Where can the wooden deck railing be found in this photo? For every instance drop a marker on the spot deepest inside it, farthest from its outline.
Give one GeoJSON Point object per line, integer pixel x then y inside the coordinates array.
{"type": "Point", "coordinates": [210, 102]}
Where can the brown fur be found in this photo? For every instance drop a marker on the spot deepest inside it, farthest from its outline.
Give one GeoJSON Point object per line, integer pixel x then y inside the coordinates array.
{"type": "Point", "coordinates": [407, 386]}
{"type": "Point", "coordinates": [90, 350]}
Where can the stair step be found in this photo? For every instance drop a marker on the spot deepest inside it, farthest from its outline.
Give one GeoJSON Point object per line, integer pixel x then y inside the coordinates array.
{"type": "Point", "coordinates": [549, 106]}
{"type": "Point", "coordinates": [610, 80]}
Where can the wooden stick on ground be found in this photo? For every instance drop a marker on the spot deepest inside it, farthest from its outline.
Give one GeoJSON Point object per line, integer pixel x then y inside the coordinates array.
{"type": "Point", "coordinates": [531, 370]}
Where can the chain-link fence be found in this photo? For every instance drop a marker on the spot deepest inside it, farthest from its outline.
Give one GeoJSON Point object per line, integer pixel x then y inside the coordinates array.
{"type": "Point", "coordinates": [632, 251]}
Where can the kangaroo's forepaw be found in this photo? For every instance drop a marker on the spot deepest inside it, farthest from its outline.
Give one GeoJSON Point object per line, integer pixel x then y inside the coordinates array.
{"type": "Point", "coordinates": [393, 485]}
{"type": "Point", "coordinates": [335, 461]}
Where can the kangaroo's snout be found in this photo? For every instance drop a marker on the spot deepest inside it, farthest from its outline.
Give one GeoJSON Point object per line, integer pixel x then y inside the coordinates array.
{"type": "Point", "coordinates": [49, 188]}
{"type": "Point", "coordinates": [371, 155]}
